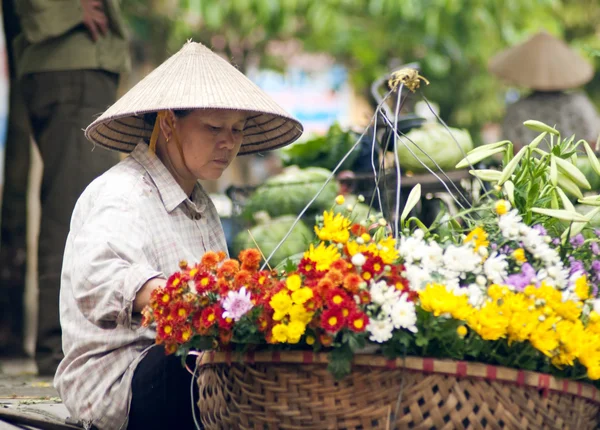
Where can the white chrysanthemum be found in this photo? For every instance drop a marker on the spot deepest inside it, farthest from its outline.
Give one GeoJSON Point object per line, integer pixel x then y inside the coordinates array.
{"type": "Point", "coordinates": [380, 330]}
{"type": "Point", "coordinates": [510, 224]}
{"type": "Point", "coordinates": [495, 268]}
{"type": "Point", "coordinates": [403, 314]}
{"type": "Point", "coordinates": [595, 305]}
{"type": "Point", "coordinates": [417, 277]}
{"type": "Point", "coordinates": [383, 294]}
{"type": "Point", "coordinates": [476, 295]}
{"type": "Point", "coordinates": [412, 249]}
{"type": "Point", "coordinates": [433, 256]}
{"type": "Point", "coordinates": [462, 259]}
{"type": "Point", "coordinates": [557, 276]}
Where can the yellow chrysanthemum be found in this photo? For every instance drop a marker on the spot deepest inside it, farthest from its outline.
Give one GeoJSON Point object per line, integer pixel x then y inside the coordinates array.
{"type": "Point", "coordinates": [437, 299]}
{"type": "Point", "coordinates": [490, 322]}
{"type": "Point", "coordinates": [302, 295]}
{"type": "Point", "coordinates": [293, 282]}
{"type": "Point", "coordinates": [582, 288]}
{"type": "Point", "coordinates": [593, 373]}
{"type": "Point", "coordinates": [589, 350]}
{"type": "Point", "coordinates": [502, 207]}
{"type": "Point", "coordinates": [496, 291]}
{"type": "Point", "coordinates": [544, 338]}
{"type": "Point", "coordinates": [387, 251]}
{"type": "Point", "coordinates": [280, 333]}
{"type": "Point", "coordinates": [570, 337]}
{"type": "Point", "coordinates": [569, 310]}
{"type": "Point", "coordinates": [519, 255]}
{"type": "Point", "coordinates": [479, 238]}
{"type": "Point", "coordinates": [299, 313]}
{"type": "Point", "coordinates": [335, 228]}
{"type": "Point", "coordinates": [322, 256]}
{"type": "Point", "coordinates": [339, 200]}
{"type": "Point", "coordinates": [521, 325]}
{"type": "Point", "coordinates": [295, 330]}
{"type": "Point", "coordinates": [281, 304]}
{"type": "Point", "coordinates": [461, 331]}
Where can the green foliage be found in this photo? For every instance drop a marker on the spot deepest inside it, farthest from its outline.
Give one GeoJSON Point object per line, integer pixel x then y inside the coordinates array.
{"type": "Point", "coordinates": [453, 40]}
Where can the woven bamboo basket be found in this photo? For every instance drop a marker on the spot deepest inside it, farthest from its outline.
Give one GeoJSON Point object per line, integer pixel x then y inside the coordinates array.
{"type": "Point", "coordinates": [293, 390]}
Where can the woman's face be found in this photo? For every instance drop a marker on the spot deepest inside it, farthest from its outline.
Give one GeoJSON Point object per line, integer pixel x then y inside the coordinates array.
{"type": "Point", "coordinates": [210, 140]}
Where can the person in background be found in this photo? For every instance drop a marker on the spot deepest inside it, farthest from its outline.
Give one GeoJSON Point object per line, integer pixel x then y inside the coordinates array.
{"type": "Point", "coordinates": [13, 245]}
{"type": "Point", "coordinates": [68, 56]}
{"type": "Point", "coordinates": [552, 72]}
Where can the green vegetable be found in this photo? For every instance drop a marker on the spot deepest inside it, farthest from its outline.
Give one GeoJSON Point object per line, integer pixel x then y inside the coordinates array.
{"type": "Point", "coordinates": [323, 151]}
{"type": "Point", "coordinates": [269, 232]}
{"type": "Point", "coordinates": [436, 142]}
{"type": "Point", "coordinates": [289, 192]}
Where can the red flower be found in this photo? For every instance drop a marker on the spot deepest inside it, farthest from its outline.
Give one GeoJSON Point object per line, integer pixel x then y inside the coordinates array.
{"type": "Point", "coordinates": [197, 321]}
{"type": "Point", "coordinates": [205, 282]}
{"type": "Point", "coordinates": [228, 269]}
{"type": "Point", "coordinates": [357, 321]}
{"type": "Point", "coordinates": [264, 322]}
{"type": "Point", "coordinates": [364, 296]}
{"type": "Point", "coordinates": [358, 230]}
{"type": "Point", "coordinates": [210, 260]}
{"type": "Point", "coordinates": [324, 287]}
{"type": "Point", "coordinates": [352, 282]}
{"type": "Point", "coordinates": [337, 298]}
{"type": "Point", "coordinates": [210, 316]}
{"type": "Point", "coordinates": [174, 283]}
{"type": "Point", "coordinates": [373, 266]}
{"type": "Point", "coordinates": [165, 331]}
{"type": "Point", "coordinates": [332, 320]}
{"type": "Point", "coordinates": [340, 265]}
{"type": "Point", "coordinates": [250, 259]}
{"type": "Point", "coordinates": [314, 304]}
{"type": "Point", "coordinates": [184, 333]}
{"type": "Point", "coordinates": [171, 348]}
{"type": "Point", "coordinates": [180, 311]}
{"type": "Point", "coordinates": [309, 269]}
{"type": "Point", "coordinates": [223, 286]}
{"type": "Point", "coordinates": [225, 323]}
{"type": "Point", "coordinates": [325, 339]}
{"type": "Point", "coordinates": [225, 337]}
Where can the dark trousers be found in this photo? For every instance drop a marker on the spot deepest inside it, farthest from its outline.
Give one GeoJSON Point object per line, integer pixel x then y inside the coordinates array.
{"type": "Point", "coordinates": [59, 105]}
{"type": "Point", "coordinates": [161, 393]}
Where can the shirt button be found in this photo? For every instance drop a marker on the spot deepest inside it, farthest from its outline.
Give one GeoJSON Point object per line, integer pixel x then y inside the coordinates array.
{"type": "Point", "coordinates": [197, 217]}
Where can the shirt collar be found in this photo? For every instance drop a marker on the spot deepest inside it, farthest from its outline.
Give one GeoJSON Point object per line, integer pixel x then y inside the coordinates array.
{"type": "Point", "coordinates": [171, 193]}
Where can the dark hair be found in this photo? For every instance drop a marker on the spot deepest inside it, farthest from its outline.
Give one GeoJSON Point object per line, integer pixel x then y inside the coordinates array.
{"type": "Point", "coordinates": [150, 117]}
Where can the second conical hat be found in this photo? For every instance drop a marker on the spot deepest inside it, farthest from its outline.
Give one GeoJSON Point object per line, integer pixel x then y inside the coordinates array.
{"type": "Point", "coordinates": [542, 63]}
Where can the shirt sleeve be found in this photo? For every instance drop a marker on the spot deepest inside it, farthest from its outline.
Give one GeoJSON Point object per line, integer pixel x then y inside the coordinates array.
{"type": "Point", "coordinates": [46, 19]}
{"type": "Point", "coordinates": [108, 261]}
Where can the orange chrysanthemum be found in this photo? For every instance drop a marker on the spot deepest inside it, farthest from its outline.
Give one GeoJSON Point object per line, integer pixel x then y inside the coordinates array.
{"type": "Point", "coordinates": [358, 230]}
{"type": "Point", "coordinates": [165, 331]}
{"type": "Point", "coordinates": [335, 276]}
{"type": "Point", "coordinates": [340, 265]}
{"type": "Point", "coordinates": [210, 316]}
{"type": "Point", "coordinates": [210, 260]}
{"type": "Point", "coordinates": [228, 269]}
{"type": "Point", "coordinates": [250, 259]}
{"type": "Point", "coordinates": [242, 278]}
{"type": "Point", "coordinates": [364, 296]}
{"type": "Point", "coordinates": [352, 282]}
{"type": "Point", "coordinates": [171, 348]}
{"type": "Point", "coordinates": [326, 340]}
{"type": "Point", "coordinates": [225, 336]}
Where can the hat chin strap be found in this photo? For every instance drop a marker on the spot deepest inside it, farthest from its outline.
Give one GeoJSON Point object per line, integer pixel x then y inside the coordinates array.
{"type": "Point", "coordinates": [156, 132]}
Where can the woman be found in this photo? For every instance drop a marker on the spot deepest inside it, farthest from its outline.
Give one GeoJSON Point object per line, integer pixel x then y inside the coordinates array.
{"type": "Point", "coordinates": [185, 121]}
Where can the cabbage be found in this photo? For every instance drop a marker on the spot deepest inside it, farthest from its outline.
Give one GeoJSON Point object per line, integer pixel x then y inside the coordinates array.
{"type": "Point", "coordinates": [269, 233]}
{"type": "Point", "coordinates": [435, 140]}
{"type": "Point", "coordinates": [289, 192]}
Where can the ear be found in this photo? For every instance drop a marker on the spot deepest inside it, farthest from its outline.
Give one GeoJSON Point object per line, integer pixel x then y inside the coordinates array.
{"type": "Point", "coordinates": [164, 121]}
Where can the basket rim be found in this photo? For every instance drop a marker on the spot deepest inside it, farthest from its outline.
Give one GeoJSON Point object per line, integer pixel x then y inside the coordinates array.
{"type": "Point", "coordinates": [540, 381]}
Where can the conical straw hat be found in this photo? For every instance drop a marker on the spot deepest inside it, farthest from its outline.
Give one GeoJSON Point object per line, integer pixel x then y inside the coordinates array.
{"type": "Point", "coordinates": [195, 78]}
{"type": "Point", "coordinates": [542, 63]}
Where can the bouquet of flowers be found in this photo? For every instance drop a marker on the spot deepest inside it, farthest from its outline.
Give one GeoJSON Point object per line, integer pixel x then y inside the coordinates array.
{"type": "Point", "coordinates": [511, 281]}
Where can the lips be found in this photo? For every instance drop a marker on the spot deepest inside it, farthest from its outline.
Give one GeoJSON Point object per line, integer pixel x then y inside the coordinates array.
{"type": "Point", "coordinates": [222, 161]}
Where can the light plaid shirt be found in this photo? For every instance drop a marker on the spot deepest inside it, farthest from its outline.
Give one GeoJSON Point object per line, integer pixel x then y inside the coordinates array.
{"type": "Point", "coordinates": [131, 224]}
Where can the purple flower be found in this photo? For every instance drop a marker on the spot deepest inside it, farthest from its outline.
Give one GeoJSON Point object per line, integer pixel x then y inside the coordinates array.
{"type": "Point", "coordinates": [597, 232]}
{"type": "Point", "coordinates": [577, 241]}
{"type": "Point", "coordinates": [236, 304]}
{"type": "Point", "coordinates": [523, 279]}
{"type": "Point", "coordinates": [596, 266]}
{"type": "Point", "coordinates": [595, 248]}
{"type": "Point", "coordinates": [556, 241]}
{"type": "Point", "coordinates": [576, 266]}
{"type": "Point", "coordinates": [540, 229]}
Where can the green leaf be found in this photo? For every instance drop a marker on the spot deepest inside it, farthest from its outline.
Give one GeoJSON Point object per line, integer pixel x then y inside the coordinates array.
{"type": "Point", "coordinates": [340, 361]}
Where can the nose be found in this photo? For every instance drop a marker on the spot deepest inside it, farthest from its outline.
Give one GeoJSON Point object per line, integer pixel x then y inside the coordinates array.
{"type": "Point", "coordinates": [229, 139]}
